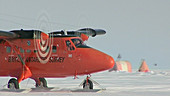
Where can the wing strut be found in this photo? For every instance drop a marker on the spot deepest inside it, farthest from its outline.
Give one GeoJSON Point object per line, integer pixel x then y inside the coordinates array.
{"type": "Point", "coordinates": [26, 72]}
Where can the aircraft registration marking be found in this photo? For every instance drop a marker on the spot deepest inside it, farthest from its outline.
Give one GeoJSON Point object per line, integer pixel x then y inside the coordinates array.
{"type": "Point", "coordinates": [35, 59]}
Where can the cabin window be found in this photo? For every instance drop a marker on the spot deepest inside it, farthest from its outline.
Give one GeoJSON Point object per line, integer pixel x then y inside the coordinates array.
{"type": "Point", "coordinates": [8, 49]}
{"type": "Point", "coordinates": [35, 51]}
{"type": "Point", "coordinates": [54, 49]}
{"type": "Point", "coordinates": [28, 51]}
{"type": "Point", "coordinates": [21, 50]}
{"type": "Point", "coordinates": [69, 46]}
{"type": "Point", "coordinates": [28, 43]}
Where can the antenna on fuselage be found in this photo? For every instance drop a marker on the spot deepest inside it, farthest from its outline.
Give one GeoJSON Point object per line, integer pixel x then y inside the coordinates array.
{"type": "Point", "coordinates": [65, 32]}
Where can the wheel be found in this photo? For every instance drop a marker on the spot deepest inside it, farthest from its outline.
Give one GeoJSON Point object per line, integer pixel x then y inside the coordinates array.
{"type": "Point", "coordinates": [88, 85]}
{"type": "Point", "coordinates": [13, 84]}
{"type": "Point", "coordinates": [43, 83]}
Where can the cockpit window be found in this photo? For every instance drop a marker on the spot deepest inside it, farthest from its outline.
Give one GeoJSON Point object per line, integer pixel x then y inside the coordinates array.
{"type": "Point", "coordinates": [77, 42]}
{"type": "Point", "coordinates": [69, 46]}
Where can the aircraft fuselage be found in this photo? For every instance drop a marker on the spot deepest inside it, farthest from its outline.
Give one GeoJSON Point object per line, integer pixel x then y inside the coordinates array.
{"type": "Point", "coordinates": [57, 56]}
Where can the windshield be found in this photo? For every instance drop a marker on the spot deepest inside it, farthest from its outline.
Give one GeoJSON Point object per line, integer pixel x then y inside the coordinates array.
{"type": "Point", "coordinates": [77, 42]}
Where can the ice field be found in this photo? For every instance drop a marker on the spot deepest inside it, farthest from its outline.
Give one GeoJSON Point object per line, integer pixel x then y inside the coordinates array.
{"type": "Point", "coordinates": [156, 83]}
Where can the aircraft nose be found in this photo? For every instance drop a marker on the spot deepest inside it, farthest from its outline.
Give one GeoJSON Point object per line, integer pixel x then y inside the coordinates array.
{"type": "Point", "coordinates": [94, 61]}
{"type": "Point", "coordinates": [102, 61]}
{"type": "Point", "coordinates": [108, 62]}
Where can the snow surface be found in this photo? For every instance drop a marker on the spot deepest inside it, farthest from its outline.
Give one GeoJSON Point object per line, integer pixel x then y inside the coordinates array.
{"type": "Point", "coordinates": [155, 83]}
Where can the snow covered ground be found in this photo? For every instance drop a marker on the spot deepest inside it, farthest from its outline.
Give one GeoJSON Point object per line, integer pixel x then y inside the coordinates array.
{"type": "Point", "coordinates": [156, 83]}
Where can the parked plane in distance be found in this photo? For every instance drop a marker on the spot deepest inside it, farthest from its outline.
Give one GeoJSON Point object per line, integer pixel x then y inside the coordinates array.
{"type": "Point", "coordinates": [37, 55]}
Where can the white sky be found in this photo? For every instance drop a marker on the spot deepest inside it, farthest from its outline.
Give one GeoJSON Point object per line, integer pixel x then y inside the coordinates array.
{"type": "Point", "coordinates": [137, 29]}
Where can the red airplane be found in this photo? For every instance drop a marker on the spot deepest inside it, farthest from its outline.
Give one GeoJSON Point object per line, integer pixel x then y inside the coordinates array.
{"type": "Point", "coordinates": [37, 55]}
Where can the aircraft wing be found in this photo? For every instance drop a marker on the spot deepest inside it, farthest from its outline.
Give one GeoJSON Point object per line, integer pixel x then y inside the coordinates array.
{"type": "Point", "coordinates": [83, 33]}
{"type": "Point", "coordinates": [7, 35]}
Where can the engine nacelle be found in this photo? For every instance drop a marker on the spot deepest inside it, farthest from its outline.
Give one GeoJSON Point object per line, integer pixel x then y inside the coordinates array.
{"type": "Point", "coordinates": [86, 31]}
{"type": "Point", "coordinates": [92, 32]}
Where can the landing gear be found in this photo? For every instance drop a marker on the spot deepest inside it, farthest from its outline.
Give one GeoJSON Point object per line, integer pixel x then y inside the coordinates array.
{"type": "Point", "coordinates": [87, 84]}
{"type": "Point", "coordinates": [42, 83]}
{"type": "Point", "coordinates": [13, 84]}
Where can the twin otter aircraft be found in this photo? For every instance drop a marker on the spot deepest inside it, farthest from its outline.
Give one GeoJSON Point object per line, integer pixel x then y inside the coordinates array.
{"type": "Point", "coordinates": [37, 55]}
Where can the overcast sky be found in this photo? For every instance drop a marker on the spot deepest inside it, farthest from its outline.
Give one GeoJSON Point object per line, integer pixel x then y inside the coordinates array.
{"type": "Point", "coordinates": [136, 29]}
